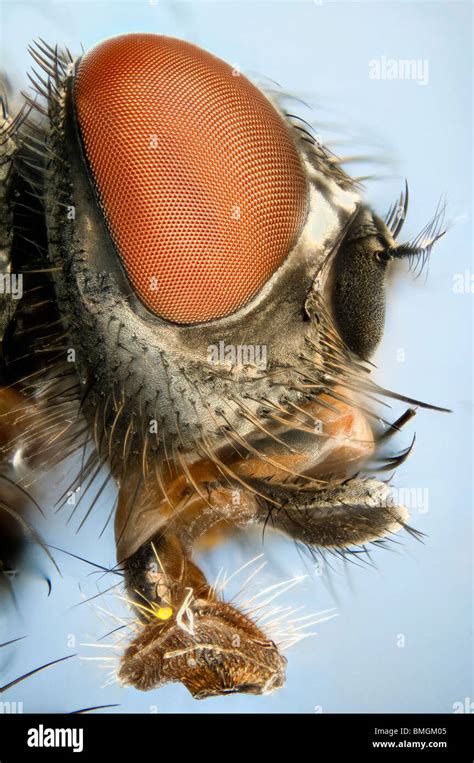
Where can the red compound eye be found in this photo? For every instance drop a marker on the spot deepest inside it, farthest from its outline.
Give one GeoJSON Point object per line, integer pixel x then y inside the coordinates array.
{"type": "Point", "coordinates": [197, 174]}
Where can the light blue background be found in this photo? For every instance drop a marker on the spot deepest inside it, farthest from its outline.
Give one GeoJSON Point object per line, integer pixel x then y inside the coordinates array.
{"type": "Point", "coordinates": [320, 52]}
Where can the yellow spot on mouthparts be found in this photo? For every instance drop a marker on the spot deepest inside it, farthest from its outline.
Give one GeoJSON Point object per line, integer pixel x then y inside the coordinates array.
{"type": "Point", "coordinates": [164, 613]}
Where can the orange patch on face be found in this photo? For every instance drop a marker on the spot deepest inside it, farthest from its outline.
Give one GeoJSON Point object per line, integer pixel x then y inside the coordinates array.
{"type": "Point", "coordinates": [350, 439]}
{"type": "Point", "coordinates": [334, 442]}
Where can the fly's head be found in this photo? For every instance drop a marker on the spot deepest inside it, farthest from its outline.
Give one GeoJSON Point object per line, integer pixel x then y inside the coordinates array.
{"type": "Point", "coordinates": [189, 195]}
{"type": "Point", "coordinates": [189, 240]}
{"type": "Point", "coordinates": [206, 250]}
{"type": "Point", "coordinates": [222, 284]}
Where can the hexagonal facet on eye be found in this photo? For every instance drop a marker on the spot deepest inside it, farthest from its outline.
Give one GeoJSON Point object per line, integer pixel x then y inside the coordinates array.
{"type": "Point", "coordinates": [198, 176]}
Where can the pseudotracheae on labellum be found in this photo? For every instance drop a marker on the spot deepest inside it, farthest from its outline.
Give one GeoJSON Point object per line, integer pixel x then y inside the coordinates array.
{"type": "Point", "coordinates": [203, 288]}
